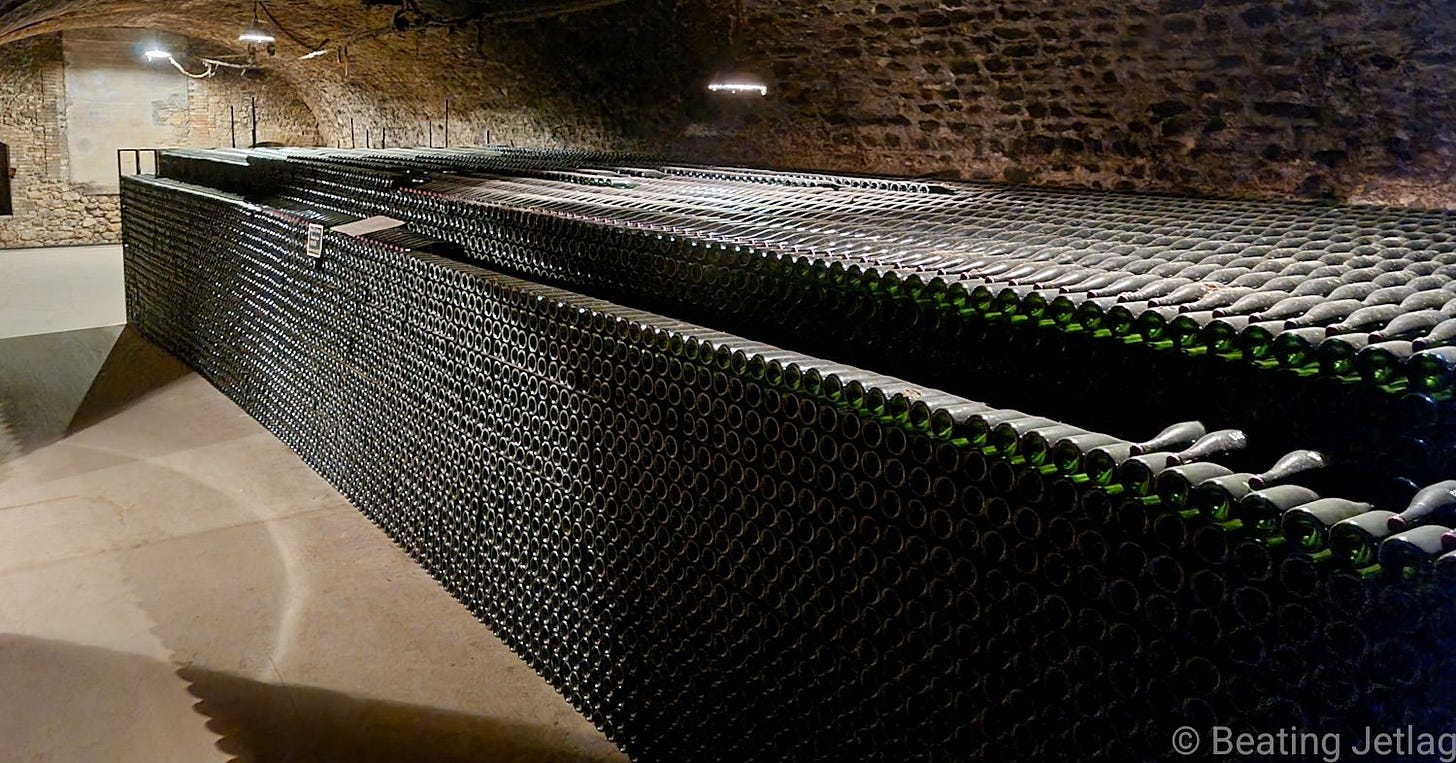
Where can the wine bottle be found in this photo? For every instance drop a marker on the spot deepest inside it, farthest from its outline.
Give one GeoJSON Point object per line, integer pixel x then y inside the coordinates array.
{"type": "Point", "coordinates": [1289, 307]}
{"type": "Point", "coordinates": [1439, 335]}
{"type": "Point", "coordinates": [1432, 369]}
{"type": "Point", "coordinates": [977, 427]}
{"type": "Point", "coordinates": [1365, 319]}
{"type": "Point", "coordinates": [1006, 436]}
{"type": "Point", "coordinates": [1226, 295]}
{"type": "Point", "coordinates": [1295, 348]}
{"type": "Point", "coordinates": [1176, 482]}
{"type": "Point", "coordinates": [1212, 444]}
{"type": "Point", "coordinates": [1383, 363]}
{"type": "Point", "coordinates": [1430, 504]}
{"type": "Point", "coordinates": [1325, 313]}
{"type": "Point", "coordinates": [1411, 552]}
{"type": "Point", "coordinates": [1308, 526]}
{"type": "Point", "coordinates": [1036, 444]}
{"type": "Point", "coordinates": [1262, 512]}
{"type": "Point", "coordinates": [1355, 541]}
{"type": "Point", "coordinates": [1182, 434]}
{"type": "Point", "coordinates": [1215, 498]}
{"type": "Point", "coordinates": [1251, 304]}
{"type": "Point", "coordinates": [1336, 354]}
{"type": "Point", "coordinates": [1069, 454]}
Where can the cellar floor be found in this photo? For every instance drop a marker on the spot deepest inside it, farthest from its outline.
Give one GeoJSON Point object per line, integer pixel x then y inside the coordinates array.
{"type": "Point", "coordinates": [175, 585]}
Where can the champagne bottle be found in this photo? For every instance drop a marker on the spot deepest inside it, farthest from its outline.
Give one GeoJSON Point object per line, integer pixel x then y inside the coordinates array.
{"type": "Point", "coordinates": [1175, 483]}
{"type": "Point", "coordinates": [1295, 348]}
{"type": "Point", "coordinates": [1262, 512]}
{"type": "Point", "coordinates": [951, 422]}
{"type": "Point", "coordinates": [1432, 369]}
{"type": "Point", "coordinates": [1383, 363]}
{"type": "Point", "coordinates": [1161, 287]}
{"type": "Point", "coordinates": [1069, 454]}
{"type": "Point", "coordinates": [1443, 298]}
{"type": "Point", "coordinates": [1006, 436]}
{"type": "Point", "coordinates": [1410, 325]}
{"type": "Point", "coordinates": [1215, 498]}
{"type": "Point", "coordinates": [1365, 319]}
{"type": "Point", "coordinates": [1316, 287]}
{"type": "Point", "coordinates": [1355, 541]}
{"type": "Point", "coordinates": [1407, 554]}
{"type": "Point", "coordinates": [1036, 445]}
{"type": "Point", "coordinates": [1430, 504]}
{"type": "Point", "coordinates": [1220, 297]}
{"type": "Point", "coordinates": [1336, 354]}
{"type": "Point", "coordinates": [1308, 526]}
{"type": "Point", "coordinates": [1289, 307]}
{"type": "Point", "coordinates": [1182, 434]}
{"type": "Point", "coordinates": [1439, 335]}
{"type": "Point", "coordinates": [1251, 304]}
{"type": "Point", "coordinates": [1212, 444]}
{"type": "Point", "coordinates": [1102, 463]}
{"type": "Point", "coordinates": [1327, 312]}
{"type": "Point", "coordinates": [977, 427]}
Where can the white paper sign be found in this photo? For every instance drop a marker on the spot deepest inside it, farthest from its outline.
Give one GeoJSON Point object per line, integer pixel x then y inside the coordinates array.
{"type": "Point", "coordinates": [367, 225]}
{"type": "Point", "coordinates": [315, 240]}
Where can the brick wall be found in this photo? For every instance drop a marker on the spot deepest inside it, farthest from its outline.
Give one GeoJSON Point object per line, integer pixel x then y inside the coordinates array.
{"type": "Point", "coordinates": [48, 209]}
{"type": "Point", "coordinates": [52, 211]}
{"type": "Point", "coordinates": [1343, 99]}
{"type": "Point", "coordinates": [1319, 99]}
{"type": "Point", "coordinates": [282, 117]}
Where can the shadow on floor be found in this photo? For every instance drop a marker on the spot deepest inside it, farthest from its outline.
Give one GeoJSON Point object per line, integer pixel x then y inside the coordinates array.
{"type": "Point", "coordinates": [271, 723]}
{"type": "Point", "coordinates": [66, 701]}
{"type": "Point", "coordinates": [44, 378]}
{"type": "Point", "coordinates": [133, 368]}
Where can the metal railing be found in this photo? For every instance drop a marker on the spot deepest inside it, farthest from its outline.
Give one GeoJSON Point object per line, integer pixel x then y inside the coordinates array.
{"type": "Point", "coordinates": [136, 160]}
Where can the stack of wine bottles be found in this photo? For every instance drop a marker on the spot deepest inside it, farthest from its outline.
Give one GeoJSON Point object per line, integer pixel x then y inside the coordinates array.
{"type": "Point", "coordinates": [1304, 325]}
{"type": "Point", "coordinates": [719, 549]}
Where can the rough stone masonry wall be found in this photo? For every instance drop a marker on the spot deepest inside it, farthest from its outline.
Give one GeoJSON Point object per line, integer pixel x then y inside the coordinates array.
{"type": "Point", "coordinates": [282, 117]}
{"type": "Point", "coordinates": [49, 210]}
{"type": "Point", "coordinates": [52, 211]}
{"type": "Point", "coordinates": [1346, 99]}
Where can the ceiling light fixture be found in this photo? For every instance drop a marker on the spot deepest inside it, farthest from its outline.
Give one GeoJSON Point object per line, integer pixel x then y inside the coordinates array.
{"type": "Point", "coordinates": [256, 33]}
{"type": "Point", "coordinates": [738, 83]}
{"type": "Point", "coordinates": [734, 74]}
{"type": "Point", "coordinates": [156, 54]}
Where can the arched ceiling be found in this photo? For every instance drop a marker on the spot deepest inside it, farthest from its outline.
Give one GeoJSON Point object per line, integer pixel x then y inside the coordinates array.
{"type": "Point", "coordinates": [529, 70]}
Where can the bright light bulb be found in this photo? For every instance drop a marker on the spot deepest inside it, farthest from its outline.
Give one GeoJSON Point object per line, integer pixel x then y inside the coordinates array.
{"type": "Point", "coordinates": [256, 33]}
{"type": "Point", "coordinates": [738, 87]}
{"type": "Point", "coordinates": [156, 54]}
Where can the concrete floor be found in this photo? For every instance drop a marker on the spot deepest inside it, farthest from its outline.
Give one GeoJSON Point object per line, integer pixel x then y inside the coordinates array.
{"type": "Point", "coordinates": [175, 585]}
{"type": "Point", "coordinates": [43, 291]}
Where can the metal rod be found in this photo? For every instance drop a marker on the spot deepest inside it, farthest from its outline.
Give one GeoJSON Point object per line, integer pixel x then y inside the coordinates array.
{"type": "Point", "coordinates": [447, 123]}
{"type": "Point", "coordinates": [233, 124]}
{"type": "Point", "coordinates": [352, 142]}
{"type": "Point", "coordinates": [254, 100]}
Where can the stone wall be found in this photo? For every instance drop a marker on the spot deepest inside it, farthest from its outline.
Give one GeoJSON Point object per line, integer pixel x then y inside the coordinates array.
{"type": "Point", "coordinates": [1342, 99]}
{"type": "Point", "coordinates": [1317, 99]}
{"type": "Point", "coordinates": [1349, 100]}
{"type": "Point", "coordinates": [50, 210]}
{"type": "Point", "coordinates": [282, 116]}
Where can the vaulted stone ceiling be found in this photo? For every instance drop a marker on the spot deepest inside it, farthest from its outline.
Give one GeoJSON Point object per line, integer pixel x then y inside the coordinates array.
{"type": "Point", "coordinates": [1343, 99]}
{"type": "Point", "coordinates": [526, 70]}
